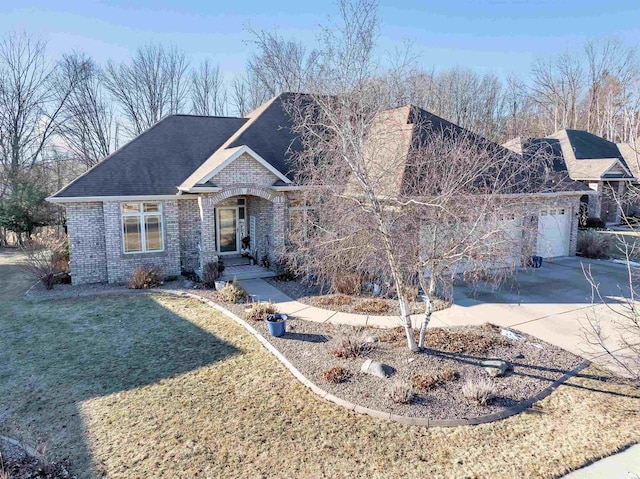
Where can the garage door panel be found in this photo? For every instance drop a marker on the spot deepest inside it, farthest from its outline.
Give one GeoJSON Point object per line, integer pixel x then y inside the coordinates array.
{"type": "Point", "coordinates": [554, 227]}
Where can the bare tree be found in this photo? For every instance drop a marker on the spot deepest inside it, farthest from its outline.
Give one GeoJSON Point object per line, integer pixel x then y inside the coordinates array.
{"type": "Point", "coordinates": [397, 195]}
{"type": "Point", "coordinates": [247, 93]}
{"type": "Point", "coordinates": [281, 65]}
{"type": "Point", "coordinates": [152, 85]}
{"type": "Point", "coordinates": [30, 102]}
{"type": "Point", "coordinates": [89, 127]}
{"type": "Point", "coordinates": [557, 86]}
{"type": "Point", "coordinates": [614, 329]}
{"type": "Point", "coordinates": [208, 95]}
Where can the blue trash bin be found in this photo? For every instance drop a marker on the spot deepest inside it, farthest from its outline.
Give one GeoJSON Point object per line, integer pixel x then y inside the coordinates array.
{"type": "Point", "coordinates": [277, 324]}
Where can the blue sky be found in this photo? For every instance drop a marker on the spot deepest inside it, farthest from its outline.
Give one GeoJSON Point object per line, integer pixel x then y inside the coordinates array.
{"type": "Point", "coordinates": [501, 36]}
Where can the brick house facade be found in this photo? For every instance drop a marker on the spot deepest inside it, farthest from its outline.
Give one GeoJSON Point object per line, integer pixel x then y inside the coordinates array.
{"type": "Point", "coordinates": [188, 190]}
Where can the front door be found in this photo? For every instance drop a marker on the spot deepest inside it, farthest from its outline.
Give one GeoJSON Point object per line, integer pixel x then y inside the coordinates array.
{"type": "Point", "coordinates": [228, 242]}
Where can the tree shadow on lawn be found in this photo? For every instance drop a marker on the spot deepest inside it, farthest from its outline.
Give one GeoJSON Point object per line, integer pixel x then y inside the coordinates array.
{"type": "Point", "coordinates": [530, 371]}
{"type": "Point", "coordinates": [55, 355]}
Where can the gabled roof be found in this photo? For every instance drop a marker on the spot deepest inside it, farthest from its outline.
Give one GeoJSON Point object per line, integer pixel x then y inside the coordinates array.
{"type": "Point", "coordinates": [583, 155]}
{"type": "Point", "coordinates": [156, 161]}
{"type": "Point", "coordinates": [267, 133]}
{"type": "Point", "coordinates": [522, 180]}
{"type": "Point", "coordinates": [181, 150]}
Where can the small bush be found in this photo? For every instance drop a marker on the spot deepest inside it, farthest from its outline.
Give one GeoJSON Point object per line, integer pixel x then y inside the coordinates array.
{"type": "Point", "coordinates": [259, 311]}
{"type": "Point", "coordinates": [210, 274]}
{"type": "Point", "coordinates": [333, 300]}
{"type": "Point", "coordinates": [47, 258]}
{"type": "Point", "coordinates": [347, 283]}
{"type": "Point", "coordinates": [353, 347]}
{"type": "Point", "coordinates": [374, 305]}
{"type": "Point", "coordinates": [337, 374]}
{"type": "Point", "coordinates": [479, 390]}
{"type": "Point", "coordinates": [448, 374]}
{"type": "Point", "coordinates": [425, 382]}
{"type": "Point", "coordinates": [592, 244]}
{"type": "Point", "coordinates": [145, 276]}
{"type": "Point", "coordinates": [401, 393]}
{"type": "Point", "coordinates": [232, 293]}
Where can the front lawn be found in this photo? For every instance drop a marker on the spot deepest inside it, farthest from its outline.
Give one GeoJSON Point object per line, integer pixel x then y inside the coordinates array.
{"type": "Point", "coordinates": [155, 386]}
{"type": "Point", "coordinates": [158, 386]}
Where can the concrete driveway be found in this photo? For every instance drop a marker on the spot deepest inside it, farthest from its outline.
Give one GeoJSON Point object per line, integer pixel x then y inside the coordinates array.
{"type": "Point", "coordinates": [552, 303]}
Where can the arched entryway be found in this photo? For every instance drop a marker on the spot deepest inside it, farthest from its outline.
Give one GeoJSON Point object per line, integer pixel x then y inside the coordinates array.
{"type": "Point", "coordinates": [242, 225]}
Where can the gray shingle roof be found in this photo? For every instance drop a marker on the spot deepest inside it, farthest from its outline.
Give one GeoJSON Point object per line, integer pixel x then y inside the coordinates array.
{"type": "Point", "coordinates": [581, 154]}
{"type": "Point", "coordinates": [158, 160]}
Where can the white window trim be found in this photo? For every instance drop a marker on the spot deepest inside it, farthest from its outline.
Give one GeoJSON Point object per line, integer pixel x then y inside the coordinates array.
{"type": "Point", "coordinates": [143, 235]}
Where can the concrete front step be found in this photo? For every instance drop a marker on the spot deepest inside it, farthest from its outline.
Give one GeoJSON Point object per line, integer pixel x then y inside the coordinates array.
{"type": "Point", "coordinates": [249, 272]}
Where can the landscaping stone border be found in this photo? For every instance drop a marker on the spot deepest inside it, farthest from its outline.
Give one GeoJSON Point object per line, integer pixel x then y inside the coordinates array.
{"type": "Point", "coordinates": [413, 421]}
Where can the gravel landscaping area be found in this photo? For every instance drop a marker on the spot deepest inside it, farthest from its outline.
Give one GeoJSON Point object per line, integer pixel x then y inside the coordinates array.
{"type": "Point", "coordinates": [460, 350]}
{"type": "Point", "coordinates": [314, 296]}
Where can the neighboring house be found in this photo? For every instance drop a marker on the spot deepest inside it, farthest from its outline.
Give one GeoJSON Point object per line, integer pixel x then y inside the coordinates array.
{"type": "Point", "coordinates": [186, 192]}
{"type": "Point", "coordinates": [606, 167]}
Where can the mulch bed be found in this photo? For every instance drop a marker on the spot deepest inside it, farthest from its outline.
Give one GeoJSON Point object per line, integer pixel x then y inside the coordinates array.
{"type": "Point", "coordinates": [313, 295]}
{"type": "Point", "coordinates": [535, 365]}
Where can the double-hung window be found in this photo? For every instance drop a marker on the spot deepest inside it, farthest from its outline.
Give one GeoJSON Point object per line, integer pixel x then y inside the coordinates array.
{"type": "Point", "coordinates": [142, 230]}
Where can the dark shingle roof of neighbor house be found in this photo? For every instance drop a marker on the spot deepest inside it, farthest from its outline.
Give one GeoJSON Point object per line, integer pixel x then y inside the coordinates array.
{"type": "Point", "coordinates": [587, 145]}
{"type": "Point", "coordinates": [156, 161]}
{"type": "Point", "coordinates": [583, 155]}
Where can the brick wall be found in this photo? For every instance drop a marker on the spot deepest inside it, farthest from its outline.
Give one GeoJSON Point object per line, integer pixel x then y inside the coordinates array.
{"type": "Point", "coordinates": [121, 265]}
{"type": "Point", "coordinates": [244, 170]}
{"type": "Point", "coordinates": [189, 233]}
{"type": "Point", "coordinates": [85, 226]}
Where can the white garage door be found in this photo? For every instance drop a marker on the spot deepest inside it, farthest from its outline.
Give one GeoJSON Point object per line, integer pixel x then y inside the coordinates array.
{"type": "Point", "coordinates": [554, 229]}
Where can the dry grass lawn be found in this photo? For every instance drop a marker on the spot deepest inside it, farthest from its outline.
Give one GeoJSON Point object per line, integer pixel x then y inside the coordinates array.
{"type": "Point", "coordinates": [158, 386]}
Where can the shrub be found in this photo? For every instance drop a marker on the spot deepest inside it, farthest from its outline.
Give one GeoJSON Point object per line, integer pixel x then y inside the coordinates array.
{"type": "Point", "coordinates": [448, 374]}
{"type": "Point", "coordinates": [401, 393]}
{"type": "Point", "coordinates": [479, 390]}
{"type": "Point", "coordinates": [259, 311]}
{"type": "Point", "coordinates": [210, 274]}
{"type": "Point", "coordinates": [374, 305]}
{"type": "Point", "coordinates": [424, 382]}
{"type": "Point", "coordinates": [333, 300]}
{"type": "Point", "coordinates": [337, 374]}
{"type": "Point", "coordinates": [353, 347]}
{"type": "Point", "coordinates": [232, 293]}
{"type": "Point", "coordinates": [145, 276]}
{"type": "Point", "coordinates": [347, 283]}
{"type": "Point", "coordinates": [592, 244]}
{"type": "Point", "coordinates": [47, 258]}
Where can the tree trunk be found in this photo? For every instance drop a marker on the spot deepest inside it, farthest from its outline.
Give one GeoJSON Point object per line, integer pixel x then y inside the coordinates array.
{"type": "Point", "coordinates": [405, 317]}
{"type": "Point", "coordinates": [428, 310]}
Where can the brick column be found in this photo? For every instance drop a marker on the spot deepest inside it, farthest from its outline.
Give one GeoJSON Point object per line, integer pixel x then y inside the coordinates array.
{"type": "Point", "coordinates": [278, 228]}
{"type": "Point", "coordinates": [207, 230]}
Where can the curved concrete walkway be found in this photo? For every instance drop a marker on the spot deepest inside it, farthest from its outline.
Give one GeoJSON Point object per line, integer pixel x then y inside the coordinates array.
{"type": "Point", "coordinates": [263, 291]}
{"type": "Point", "coordinates": [551, 303]}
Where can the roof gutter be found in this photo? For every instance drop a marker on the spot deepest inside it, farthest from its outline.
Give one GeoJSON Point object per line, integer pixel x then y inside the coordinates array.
{"type": "Point", "coordinates": [93, 199]}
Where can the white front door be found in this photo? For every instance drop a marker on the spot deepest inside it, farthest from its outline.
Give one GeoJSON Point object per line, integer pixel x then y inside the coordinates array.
{"type": "Point", "coordinates": [554, 229]}
{"type": "Point", "coordinates": [227, 232]}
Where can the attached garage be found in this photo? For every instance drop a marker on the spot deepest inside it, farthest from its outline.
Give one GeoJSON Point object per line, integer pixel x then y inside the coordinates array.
{"type": "Point", "coordinates": [554, 232]}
